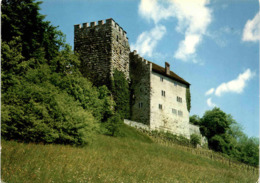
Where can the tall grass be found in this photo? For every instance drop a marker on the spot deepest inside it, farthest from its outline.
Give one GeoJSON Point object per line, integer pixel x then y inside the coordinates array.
{"type": "Point", "coordinates": [131, 158]}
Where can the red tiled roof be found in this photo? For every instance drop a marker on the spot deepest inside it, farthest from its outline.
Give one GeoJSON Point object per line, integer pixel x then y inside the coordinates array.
{"type": "Point", "coordinates": [161, 70]}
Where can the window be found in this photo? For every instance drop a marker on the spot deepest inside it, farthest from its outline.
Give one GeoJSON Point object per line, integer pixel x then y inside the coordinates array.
{"type": "Point", "coordinates": [180, 113]}
{"type": "Point", "coordinates": [163, 93]}
{"type": "Point", "coordinates": [179, 99]}
{"type": "Point", "coordinates": [174, 111]}
{"type": "Point", "coordinates": [140, 104]}
{"type": "Point", "coordinates": [160, 106]}
{"type": "Point", "coordinates": [161, 79]}
{"type": "Point", "coordinates": [120, 52]}
{"type": "Point", "coordinates": [117, 38]}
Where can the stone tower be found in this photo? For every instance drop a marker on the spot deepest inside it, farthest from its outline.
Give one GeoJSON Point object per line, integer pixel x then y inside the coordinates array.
{"type": "Point", "coordinates": [103, 47]}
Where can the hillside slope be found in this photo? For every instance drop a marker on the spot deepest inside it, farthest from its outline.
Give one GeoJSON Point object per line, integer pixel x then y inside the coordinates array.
{"type": "Point", "coordinates": [131, 158]}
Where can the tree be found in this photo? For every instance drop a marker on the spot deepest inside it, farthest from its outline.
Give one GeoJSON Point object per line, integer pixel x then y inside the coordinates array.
{"type": "Point", "coordinates": [195, 119]}
{"type": "Point", "coordinates": [225, 135]}
{"type": "Point", "coordinates": [249, 150]}
{"type": "Point", "coordinates": [21, 18]}
{"type": "Point", "coordinates": [44, 96]}
{"type": "Point", "coordinates": [214, 124]}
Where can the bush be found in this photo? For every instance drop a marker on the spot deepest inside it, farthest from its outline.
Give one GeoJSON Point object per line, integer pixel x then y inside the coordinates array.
{"type": "Point", "coordinates": [41, 113]}
{"type": "Point", "coordinates": [195, 140]}
{"type": "Point", "coordinates": [113, 125]}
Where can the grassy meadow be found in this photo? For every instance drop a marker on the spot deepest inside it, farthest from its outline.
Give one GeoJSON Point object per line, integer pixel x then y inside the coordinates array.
{"type": "Point", "coordinates": [131, 158]}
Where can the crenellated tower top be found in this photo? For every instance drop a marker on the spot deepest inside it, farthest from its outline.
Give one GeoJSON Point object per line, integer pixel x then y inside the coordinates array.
{"type": "Point", "coordinates": [103, 47]}
{"type": "Point", "coordinates": [101, 24]}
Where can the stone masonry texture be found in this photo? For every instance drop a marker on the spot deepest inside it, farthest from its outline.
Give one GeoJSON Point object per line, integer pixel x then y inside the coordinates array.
{"type": "Point", "coordinates": [140, 70]}
{"type": "Point", "coordinates": [102, 47]}
{"type": "Point", "coordinates": [158, 95]}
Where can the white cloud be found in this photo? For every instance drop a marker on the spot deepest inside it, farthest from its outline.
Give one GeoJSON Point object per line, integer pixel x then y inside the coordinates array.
{"type": "Point", "coordinates": [235, 86]}
{"type": "Point", "coordinates": [187, 47]}
{"type": "Point", "coordinates": [147, 41]}
{"type": "Point", "coordinates": [193, 19]}
{"type": "Point", "coordinates": [251, 30]}
{"type": "Point", "coordinates": [210, 103]}
{"type": "Point", "coordinates": [156, 11]}
{"type": "Point", "coordinates": [210, 91]}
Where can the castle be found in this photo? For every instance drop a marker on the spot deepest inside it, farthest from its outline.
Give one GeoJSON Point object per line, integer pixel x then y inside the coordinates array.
{"type": "Point", "coordinates": [159, 95]}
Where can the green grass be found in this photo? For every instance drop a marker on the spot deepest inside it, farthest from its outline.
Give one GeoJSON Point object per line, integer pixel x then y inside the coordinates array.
{"type": "Point", "coordinates": [131, 158]}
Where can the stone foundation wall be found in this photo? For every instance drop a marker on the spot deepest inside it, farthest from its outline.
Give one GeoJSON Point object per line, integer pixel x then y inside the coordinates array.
{"type": "Point", "coordinates": [196, 130]}
{"type": "Point", "coordinates": [140, 70]}
{"type": "Point", "coordinates": [136, 124]}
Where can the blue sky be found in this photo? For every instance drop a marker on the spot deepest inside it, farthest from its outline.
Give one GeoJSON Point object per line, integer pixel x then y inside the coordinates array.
{"type": "Point", "coordinates": [213, 44]}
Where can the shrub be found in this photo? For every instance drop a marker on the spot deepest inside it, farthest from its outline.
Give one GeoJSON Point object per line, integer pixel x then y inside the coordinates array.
{"type": "Point", "coordinates": [41, 113]}
{"type": "Point", "coordinates": [113, 125]}
{"type": "Point", "coordinates": [195, 140]}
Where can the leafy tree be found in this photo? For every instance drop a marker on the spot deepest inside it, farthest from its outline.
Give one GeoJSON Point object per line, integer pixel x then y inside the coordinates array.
{"type": "Point", "coordinates": [44, 96]}
{"type": "Point", "coordinates": [195, 119]}
{"type": "Point", "coordinates": [214, 122]}
{"type": "Point", "coordinates": [249, 148]}
{"type": "Point", "coordinates": [21, 18]}
{"type": "Point", "coordinates": [225, 135]}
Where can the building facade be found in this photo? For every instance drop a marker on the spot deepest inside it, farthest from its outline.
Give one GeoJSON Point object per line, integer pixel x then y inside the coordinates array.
{"type": "Point", "coordinates": [158, 95]}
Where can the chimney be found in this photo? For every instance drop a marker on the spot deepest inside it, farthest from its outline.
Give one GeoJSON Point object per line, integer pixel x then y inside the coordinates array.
{"type": "Point", "coordinates": [167, 68]}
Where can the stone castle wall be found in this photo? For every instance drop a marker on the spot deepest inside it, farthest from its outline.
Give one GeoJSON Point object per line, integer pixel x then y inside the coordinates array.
{"type": "Point", "coordinates": [103, 47]}
{"type": "Point", "coordinates": [168, 118]}
{"type": "Point", "coordinates": [140, 88]}
{"type": "Point", "coordinates": [120, 49]}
